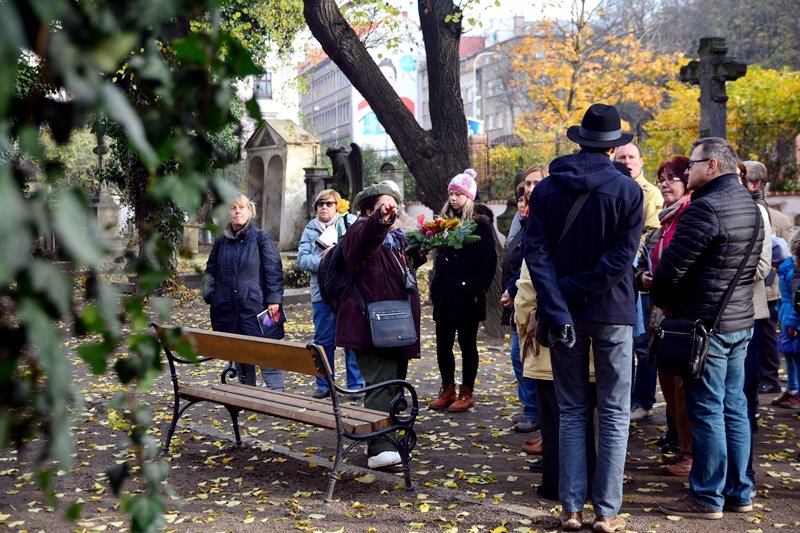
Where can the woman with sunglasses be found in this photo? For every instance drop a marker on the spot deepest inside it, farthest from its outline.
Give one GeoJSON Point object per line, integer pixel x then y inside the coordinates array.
{"type": "Point", "coordinates": [309, 256]}
{"type": "Point", "coordinates": [673, 183]}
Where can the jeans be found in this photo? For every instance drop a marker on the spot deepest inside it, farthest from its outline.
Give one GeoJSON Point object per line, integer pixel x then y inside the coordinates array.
{"type": "Point", "coordinates": [720, 434]}
{"type": "Point", "coordinates": [272, 377]}
{"type": "Point", "coordinates": [612, 349]}
{"type": "Point", "coordinates": [752, 377]}
{"type": "Point", "coordinates": [325, 336]}
{"type": "Point", "coordinates": [792, 370]}
{"type": "Point", "coordinates": [643, 393]}
{"type": "Point", "coordinates": [526, 387]}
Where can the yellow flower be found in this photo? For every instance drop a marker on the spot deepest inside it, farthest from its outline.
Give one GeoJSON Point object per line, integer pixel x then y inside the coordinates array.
{"type": "Point", "coordinates": [342, 206]}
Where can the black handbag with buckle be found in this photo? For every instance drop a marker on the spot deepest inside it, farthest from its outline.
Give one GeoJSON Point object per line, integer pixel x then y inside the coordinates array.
{"type": "Point", "coordinates": [680, 346]}
{"type": "Point", "coordinates": [391, 322]}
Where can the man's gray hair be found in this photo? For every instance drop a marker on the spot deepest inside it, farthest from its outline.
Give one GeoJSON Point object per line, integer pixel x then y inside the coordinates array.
{"type": "Point", "coordinates": [720, 150]}
{"type": "Point", "coordinates": [756, 171]}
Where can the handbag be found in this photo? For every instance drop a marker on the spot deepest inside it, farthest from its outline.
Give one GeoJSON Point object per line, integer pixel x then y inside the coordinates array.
{"type": "Point", "coordinates": [542, 334]}
{"type": "Point", "coordinates": [391, 323]}
{"type": "Point", "coordinates": [680, 346]}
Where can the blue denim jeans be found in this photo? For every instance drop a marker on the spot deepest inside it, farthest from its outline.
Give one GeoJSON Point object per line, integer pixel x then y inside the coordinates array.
{"type": "Point", "coordinates": [792, 370]}
{"type": "Point", "coordinates": [273, 378]}
{"type": "Point", "coordinates": [526, 387]}
{"type": "Point", "coordinates": [717, 406]}
{"type": "Point", "coordinates": [325, 336]}
{"type": "Point", "coordinates": [612, 349]}
{"type": "Point", "coordinates": [645, 375]}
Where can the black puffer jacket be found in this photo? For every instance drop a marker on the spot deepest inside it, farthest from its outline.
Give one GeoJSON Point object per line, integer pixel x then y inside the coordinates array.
{"type": "Point", "coordinates": [709, 244]}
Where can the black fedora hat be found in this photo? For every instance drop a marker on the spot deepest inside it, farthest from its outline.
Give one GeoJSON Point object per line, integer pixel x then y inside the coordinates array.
{"type": "Point", "coordinates": [600, 128]}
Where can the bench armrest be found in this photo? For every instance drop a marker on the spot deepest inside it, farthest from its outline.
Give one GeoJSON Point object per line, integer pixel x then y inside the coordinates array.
{"type": "Point", "coordinates": [401, 411]}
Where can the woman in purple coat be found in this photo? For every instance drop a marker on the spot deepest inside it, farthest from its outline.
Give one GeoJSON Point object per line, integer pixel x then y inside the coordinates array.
{"type": "Point", "coordinates": [375, 256]}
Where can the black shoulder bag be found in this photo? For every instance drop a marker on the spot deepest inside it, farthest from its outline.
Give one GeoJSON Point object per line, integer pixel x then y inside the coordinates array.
{"type": "Point", "coordinates": [680, 346]}
{"type": "Point", "coordinates": [542, 336]}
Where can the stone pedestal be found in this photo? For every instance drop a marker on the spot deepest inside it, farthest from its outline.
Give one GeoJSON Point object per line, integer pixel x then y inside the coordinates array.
{"type": "Point", "coordinates": [316, 180]}
{"type": "Point", "coordinates": [191, 237]}
{"type": "Point", "coordinates": [388, 172]}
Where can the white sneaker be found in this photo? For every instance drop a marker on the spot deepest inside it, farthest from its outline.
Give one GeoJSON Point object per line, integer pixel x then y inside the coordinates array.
{"type": "Point", "coordinates": [384, 459]}
{"type": "Point", "coordinates": [639, 414]}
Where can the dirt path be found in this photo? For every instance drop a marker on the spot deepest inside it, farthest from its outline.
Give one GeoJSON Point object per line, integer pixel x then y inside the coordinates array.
{"type": "Point", "coordinates": [468, 472]}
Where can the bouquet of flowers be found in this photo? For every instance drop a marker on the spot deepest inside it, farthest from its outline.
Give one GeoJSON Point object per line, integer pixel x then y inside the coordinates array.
{"type": "Point", "coordinates": [452, 232]}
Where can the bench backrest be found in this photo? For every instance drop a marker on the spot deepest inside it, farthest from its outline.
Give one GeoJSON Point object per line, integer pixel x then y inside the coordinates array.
{"type": "Point", "coordinates": [283, 355]}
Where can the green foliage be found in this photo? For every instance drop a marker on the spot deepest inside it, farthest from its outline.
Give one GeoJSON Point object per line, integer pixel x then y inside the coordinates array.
{"type": "Point", "coordinates": [293, 277]}
{"type": "Point", "coordinates": [163, 95]}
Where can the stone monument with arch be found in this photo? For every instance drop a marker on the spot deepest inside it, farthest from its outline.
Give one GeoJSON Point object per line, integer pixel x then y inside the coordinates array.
{"type": "Point", "coordinates": [278, 155]}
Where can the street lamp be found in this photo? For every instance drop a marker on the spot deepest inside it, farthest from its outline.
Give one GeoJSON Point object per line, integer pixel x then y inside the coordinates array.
{"type": "Point", "coordinates": [475, 81]}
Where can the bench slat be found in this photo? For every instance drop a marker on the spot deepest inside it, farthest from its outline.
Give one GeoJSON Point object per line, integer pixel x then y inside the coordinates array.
{"type": "Point", "coordinates": [377, 419]}
{"type": "Point", "coordinates": [290, 356]}
{"type": "Point", "coordinates": [232, 396]}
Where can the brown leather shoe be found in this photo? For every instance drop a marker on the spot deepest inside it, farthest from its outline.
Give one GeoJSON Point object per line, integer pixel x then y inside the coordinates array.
{"type": "Point", "coordinates": [447, 395]}
{"type": "Point", "coordinates": [679, 468]}
{"type": "Point", "coordinates": [688, 508]}
{"type": "Point", "coordinates": [571, 521]}
{"type": "Point", "coordinates": [608, 524]}
{"type": "Point", "coordinates": [464, 400]}
{"type": "Point", "coordinates": [533, 447]}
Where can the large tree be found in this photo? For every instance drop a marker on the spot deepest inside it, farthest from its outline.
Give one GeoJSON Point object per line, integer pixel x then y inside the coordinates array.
{"type": "Point", "coordinates": [434, 155]}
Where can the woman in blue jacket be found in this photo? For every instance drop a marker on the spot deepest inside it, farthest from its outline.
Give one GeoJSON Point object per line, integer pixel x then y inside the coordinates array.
{"type": "Point", "coordinates": [243, 277]}
{"type": "Point", "coordinates": [790, 327]}
{"type": "Point", "coordinates": [309, 257]}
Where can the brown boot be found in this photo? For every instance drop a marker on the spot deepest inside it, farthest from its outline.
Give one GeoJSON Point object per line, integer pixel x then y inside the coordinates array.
{"type": "Point", "coordinates": [464, 400]}
{"type": "Point", "coordinates": [447, 395]}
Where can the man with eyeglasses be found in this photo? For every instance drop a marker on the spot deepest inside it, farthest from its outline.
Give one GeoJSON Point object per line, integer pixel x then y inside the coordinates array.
{"type": "Point", "coordinates": [690, 281]}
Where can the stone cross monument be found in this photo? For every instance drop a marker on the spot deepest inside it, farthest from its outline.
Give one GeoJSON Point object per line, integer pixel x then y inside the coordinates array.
{"type": "Point", "coordinates": [711, 73]}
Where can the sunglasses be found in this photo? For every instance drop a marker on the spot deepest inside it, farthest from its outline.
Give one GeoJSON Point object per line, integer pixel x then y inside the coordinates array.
{"type": "Point", "coordinates": [326, 204]}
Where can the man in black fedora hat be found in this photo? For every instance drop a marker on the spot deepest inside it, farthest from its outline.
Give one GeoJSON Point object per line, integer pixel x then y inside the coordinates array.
{"type": "Point", "coordinates": [582, 235]}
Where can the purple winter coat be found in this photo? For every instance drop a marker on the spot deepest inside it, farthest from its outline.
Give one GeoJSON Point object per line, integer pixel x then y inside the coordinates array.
{"type": "Point", "coordinates": [371, 261]}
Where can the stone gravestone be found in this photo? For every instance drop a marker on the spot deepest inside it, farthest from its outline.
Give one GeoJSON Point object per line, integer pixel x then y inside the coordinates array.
{"type": "Point", "coordinates": [278, 154]}
{"type": "Point", "coordinates": [711, 73]}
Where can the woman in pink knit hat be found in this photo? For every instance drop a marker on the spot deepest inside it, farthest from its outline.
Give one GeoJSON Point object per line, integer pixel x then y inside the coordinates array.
{"type": "Point", "coordinates": [461, 278]}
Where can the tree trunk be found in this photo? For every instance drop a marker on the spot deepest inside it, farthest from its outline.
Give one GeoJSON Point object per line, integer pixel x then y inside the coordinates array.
{"type": "Point", "coordinates": [434, 156]}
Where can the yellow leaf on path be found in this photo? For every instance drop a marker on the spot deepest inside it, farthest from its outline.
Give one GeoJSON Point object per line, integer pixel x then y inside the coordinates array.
{"type": "Point", "coordinates": [674, 518]}
{"type": "Point", "coordinates": [317, 516]}
{"type": "Point", "coordinates": [4, 517]}
{"type": "Point", "coordinates": [249, 519]}
{"type": "Point", "coordinates": [367, 479]}
{"type": "Point", "coordinates": [500, 529]}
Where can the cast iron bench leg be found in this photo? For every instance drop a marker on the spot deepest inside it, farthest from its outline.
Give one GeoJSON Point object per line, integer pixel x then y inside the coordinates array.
{"type": "Point", "coordinates": [177, 412]}
{"type": "Point", "coordinates": [234, 412]}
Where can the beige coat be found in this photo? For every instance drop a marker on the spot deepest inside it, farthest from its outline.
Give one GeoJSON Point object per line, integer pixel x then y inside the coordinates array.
{"type": "Point", "coordinates": [781, 227]}
{"type": "Point", "coordinates": [653, 204]}
{"type": "Point", "coordinates": [764, 266]}
{"type": "Point", "coordinates": [533, 366]}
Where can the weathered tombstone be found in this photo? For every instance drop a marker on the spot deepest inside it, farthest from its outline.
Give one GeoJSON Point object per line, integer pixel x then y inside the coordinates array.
{"type": "Point", "coordinates": [711, 73]}
{"type": "Point", "coordinates": [107, 211]}
{"type": "Point", "coordinates": [389, 172]}
{"type": "Point", "coordinates": [317, 180]}
{"type": "Point", "coordinates": [505, 219]}
{"type": "Point", "coordinates": [277, 154]}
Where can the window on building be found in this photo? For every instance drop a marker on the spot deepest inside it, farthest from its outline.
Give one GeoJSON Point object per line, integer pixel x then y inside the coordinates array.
{"type": "Point", "coordinates": [263, 88]}
{"type": "Point", "coordinates": [490, 122]}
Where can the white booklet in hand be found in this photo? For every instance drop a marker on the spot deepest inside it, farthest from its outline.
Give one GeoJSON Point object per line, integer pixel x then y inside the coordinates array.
{"type": "Point", "coordinates": [328, 238]}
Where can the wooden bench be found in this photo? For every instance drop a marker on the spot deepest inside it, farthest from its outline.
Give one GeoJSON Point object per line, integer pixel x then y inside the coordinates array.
{"type": "Point", "coordinates": [358, 424]}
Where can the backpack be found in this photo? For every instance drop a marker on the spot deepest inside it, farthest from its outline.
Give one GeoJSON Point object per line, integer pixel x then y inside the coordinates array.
{"type": "Point", "coordinates": [335, 284]}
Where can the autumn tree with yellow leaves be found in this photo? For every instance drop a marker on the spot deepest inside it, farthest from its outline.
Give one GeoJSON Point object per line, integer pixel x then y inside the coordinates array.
{"type": "Point", "coordinates": [567, 65]}
{"type": "Point", "coordinates": [763, 120]}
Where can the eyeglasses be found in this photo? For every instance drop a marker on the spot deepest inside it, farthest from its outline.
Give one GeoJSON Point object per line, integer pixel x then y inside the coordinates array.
{"type": "Point", "coordinates": [665, 179]}
{"type": "Point", "coordinates": [326, 204]}
{"type": "Point", "coordinates": [693, 161]}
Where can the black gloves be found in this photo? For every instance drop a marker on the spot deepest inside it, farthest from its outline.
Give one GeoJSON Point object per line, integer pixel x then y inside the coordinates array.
{"type": "Point", "coordinates": [564, 335]}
